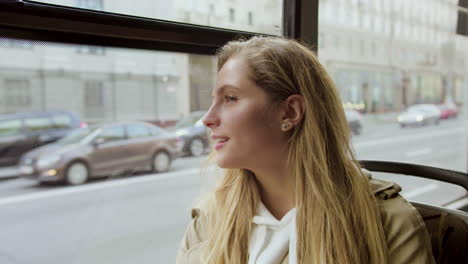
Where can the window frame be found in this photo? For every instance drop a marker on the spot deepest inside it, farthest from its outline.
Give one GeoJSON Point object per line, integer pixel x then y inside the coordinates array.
{"type": "Point", "coordinates": [23, 19]}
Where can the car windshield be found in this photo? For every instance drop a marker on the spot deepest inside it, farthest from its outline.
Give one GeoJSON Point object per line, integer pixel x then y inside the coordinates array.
{"type": "Point", "coordinates": [78, 136]}
{"type": "Point", "coordinates": [416, 110]}
{"type": "Point", "coordinates": [186, 122]}
{"type": "Point", "coordinates": [199, 122]}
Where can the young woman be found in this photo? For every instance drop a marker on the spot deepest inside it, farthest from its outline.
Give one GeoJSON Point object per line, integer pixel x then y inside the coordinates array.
{"type": "Point", "coordinates": [292, 191]}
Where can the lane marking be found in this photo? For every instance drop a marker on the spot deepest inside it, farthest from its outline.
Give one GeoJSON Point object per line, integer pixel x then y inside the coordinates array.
{"type": "Point", "coordinates": [419, 191]}
{"type": "Point", "coordinates": [407, 138]}
{"type": "Point", "coordinates": [419, 152]}
{"type": "Point", "coordinates": [96, 186]}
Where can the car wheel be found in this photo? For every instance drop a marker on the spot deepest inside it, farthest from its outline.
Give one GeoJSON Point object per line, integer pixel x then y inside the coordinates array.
{"type": "Point", "coordinates": [161, 162]}
{"type": "Point", "coordinates": [77, 173]}
{"type": "Point", "coordinates": [402, 125]}
{"type": "Point", "coordinates": [197, 147]}
{"type": "Point", "coordinates": [437, 121]}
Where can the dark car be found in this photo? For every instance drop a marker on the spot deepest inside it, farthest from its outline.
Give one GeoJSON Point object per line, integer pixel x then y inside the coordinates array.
{"type": "Point", "coordinates": [101, 150]}
{"type": "Point", "coordinates": [22, 132]}
{"type": "Point", "coordinates": [354, 121]}
{"type": "Point", "coordinates": [193, 133]}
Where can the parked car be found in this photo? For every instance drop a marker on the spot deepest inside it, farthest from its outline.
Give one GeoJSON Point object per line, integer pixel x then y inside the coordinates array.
{"type": "Point", "coordinates": [448, 110]}
{"type": "Point", "coordinates": [21, 132]}
{"type": "Point", "coordinates": [420, 114]}
{"type": "Point", "coordinates": [354, 121]}
{"type": "Point", "coordinates": [102, 150]}
{"type": "Point", "coordinates": [194, 134]}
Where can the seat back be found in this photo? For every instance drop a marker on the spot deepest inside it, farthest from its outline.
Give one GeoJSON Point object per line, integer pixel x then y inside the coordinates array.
{"type": "Point", "coordinates": [448, 231]}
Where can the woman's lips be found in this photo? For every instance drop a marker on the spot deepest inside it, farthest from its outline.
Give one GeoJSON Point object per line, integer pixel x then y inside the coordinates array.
{"type": "Point", "coordinates": [220, 144]}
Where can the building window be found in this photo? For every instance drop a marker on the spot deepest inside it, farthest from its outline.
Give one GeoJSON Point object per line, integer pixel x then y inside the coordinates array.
{"type": "Point", "coordinates": [16, 43]}
{"type": "Point", "coordinates": [17, 95]}
{"type": "Point", "coordinates": [321, 41]}
{"type": "Point", "coordinates": [88, 49]}
{"type": "Point", "coordinates": [90, 4]}
{"type": "Point", "coordinates": [94, 99]}
{"type": "Point", "coordinates": [271, 4]}
{"type": "Point", "coordinates": [212, 9]}
{"type": "Point", "coordinates": [250, 19]}
{"type": "Point", "coordinates": [231, 15]}
{"type": "Point", "coordinates": [374, 48]}
{"type": "Point", "coordinates": [362, 47]}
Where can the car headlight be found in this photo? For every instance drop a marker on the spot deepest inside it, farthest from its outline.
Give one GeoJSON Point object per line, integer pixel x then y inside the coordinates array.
{"type": "Point", "coordinates": [419, 118]}
{"type": "Point", "coordinates": [47, 160]}
{"type": "Point", "coordinates": [400, 119]}
{"type": "Point", "coordinates": [182, 132]}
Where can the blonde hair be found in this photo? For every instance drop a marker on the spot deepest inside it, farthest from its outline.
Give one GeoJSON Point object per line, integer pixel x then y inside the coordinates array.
{"type": "Point", "coordinates": [337, 215]}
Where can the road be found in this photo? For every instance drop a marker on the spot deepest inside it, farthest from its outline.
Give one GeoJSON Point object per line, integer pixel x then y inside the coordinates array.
{"type": "Point", "coordinates": [141, 218]}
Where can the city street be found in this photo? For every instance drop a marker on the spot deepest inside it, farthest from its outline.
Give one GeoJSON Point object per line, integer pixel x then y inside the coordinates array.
{"type": "Point", "coordinates": [141, 218]}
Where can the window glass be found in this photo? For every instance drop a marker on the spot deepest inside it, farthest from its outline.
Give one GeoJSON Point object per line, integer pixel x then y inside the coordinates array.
{"type": "Point", "coordinates": [137, 131]}
{"type": "Point", "coordinates": [120, 86]}
{"type": "Point", "coordinates": [190, 119]}
{"type": "Point", "coordinates": [77, 135]}
{"type": "Point", "coordinates": [10, 127]}
{"type": "Point", "coordinates": [156, 131]}
{"type": "Point", "coordinates": [112, 133]}
{"type": "Point", "coordinates": [423, 190]}
{"type": "Point", "coordinates": [37, 123]}
{"type": "Point", "coordinates": [404, 79]}
{"type": "Point", "coordinates": [263, 16]}
{"type": "Point", "coordinates": [143, 213]}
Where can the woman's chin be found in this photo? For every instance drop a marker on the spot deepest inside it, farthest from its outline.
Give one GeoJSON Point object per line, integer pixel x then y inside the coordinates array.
{"type": "Point", "coordinates": [224, 163]}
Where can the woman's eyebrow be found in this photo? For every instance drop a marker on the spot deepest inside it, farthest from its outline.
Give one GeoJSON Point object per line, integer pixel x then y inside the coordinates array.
{"type": "Point", "coordinates": [225, 87]}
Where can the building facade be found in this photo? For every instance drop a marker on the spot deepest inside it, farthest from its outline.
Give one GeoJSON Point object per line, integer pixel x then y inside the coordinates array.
{"type": "Point", "coordinates": [386, 55]}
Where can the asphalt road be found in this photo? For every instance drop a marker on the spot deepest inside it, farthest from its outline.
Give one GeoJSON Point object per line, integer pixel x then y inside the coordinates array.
{"type": "Point", "coordinates": [141, 218]}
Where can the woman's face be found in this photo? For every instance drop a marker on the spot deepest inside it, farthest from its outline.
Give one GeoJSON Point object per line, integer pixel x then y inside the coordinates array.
{"type": "Point", "coordinates": [245, 125]}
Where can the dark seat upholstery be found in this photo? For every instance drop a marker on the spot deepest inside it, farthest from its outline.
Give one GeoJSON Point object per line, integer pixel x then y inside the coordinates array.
{"type": "Point", "coordinates": [448, 232]}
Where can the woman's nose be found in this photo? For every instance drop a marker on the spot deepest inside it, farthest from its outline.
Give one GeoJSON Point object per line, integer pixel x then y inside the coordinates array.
{"type": "Point", "coordinates": [210, 119]}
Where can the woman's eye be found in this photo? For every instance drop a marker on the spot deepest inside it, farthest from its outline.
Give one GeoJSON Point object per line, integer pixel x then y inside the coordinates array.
{"type": "Point", "coordinates": [230, 98]}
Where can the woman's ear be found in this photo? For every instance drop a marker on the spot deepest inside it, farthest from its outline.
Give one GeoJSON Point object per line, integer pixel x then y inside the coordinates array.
{"type": "Point", "coordinates": [294, 107]}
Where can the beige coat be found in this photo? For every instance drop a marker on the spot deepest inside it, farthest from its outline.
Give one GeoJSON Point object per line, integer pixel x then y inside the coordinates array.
{"type": "Point", "coordinates": [407, 238]}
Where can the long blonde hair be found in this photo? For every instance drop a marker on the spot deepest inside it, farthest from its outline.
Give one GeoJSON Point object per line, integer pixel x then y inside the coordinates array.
{"type": "Point", "coordinates": [337, 216]}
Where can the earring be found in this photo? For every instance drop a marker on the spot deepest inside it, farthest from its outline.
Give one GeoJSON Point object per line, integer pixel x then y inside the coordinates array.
{"type": "Point", "coordinates": [284, 125]}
